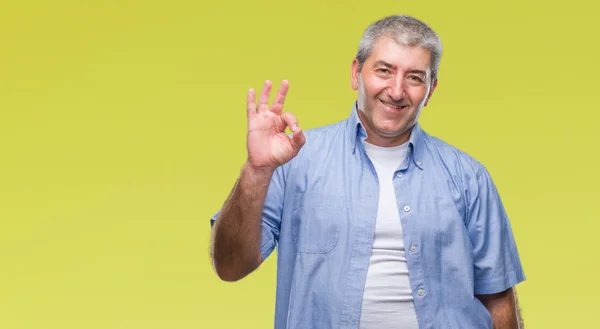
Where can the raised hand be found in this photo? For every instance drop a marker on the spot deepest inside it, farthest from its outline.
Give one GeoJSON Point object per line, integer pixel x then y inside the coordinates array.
{"type": "Point", "coordinates": [268, 144]}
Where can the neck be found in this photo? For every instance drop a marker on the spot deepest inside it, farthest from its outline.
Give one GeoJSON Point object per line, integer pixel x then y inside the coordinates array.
{"type": "Point", "coordinates": [381, 139]}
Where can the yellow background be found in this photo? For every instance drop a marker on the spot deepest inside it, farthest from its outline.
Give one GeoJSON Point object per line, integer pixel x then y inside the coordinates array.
{"type": "Point", "coordinates": [122, 129]}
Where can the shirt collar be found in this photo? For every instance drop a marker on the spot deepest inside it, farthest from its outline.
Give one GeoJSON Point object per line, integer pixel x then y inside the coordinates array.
{"type": "Point", "coordinates": [416, 142]}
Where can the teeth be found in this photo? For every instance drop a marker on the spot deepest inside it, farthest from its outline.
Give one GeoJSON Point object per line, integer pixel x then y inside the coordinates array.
{"type": "Point", "coordinates": [393, 106]}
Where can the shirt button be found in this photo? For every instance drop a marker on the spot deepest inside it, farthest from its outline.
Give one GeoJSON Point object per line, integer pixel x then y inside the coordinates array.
{"type": "Point", "coordinates": [406, 208]}
{"type": "Point", "coordinates": [399, 174]}
{"type": "Point", "coordinates": [419, 163]}
{"type": "Point", "coordinates": [421, 292]}
{"type": "Point", "coordinates": [413, 249]}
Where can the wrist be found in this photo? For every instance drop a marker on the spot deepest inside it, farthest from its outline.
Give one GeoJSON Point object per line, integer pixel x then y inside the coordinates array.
{"type": "Point", "coordinates": [258, 173]}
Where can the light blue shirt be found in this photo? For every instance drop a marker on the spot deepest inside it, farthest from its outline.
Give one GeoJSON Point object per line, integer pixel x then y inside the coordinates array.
{"type": "Point", "coordinates": [320, 212]}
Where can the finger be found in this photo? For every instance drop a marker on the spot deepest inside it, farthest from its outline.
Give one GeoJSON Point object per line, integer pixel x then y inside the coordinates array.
{"type": "Point", "coordinates": [290, 121]}
{"type": "Point", "coordinates": [251, 102]}
{"type": "Point", "coordinates": [263, 103]}
{"type": "Point", "coordinates": [277, 106]}
{"type": "Point", "coordinates": [298, 139]}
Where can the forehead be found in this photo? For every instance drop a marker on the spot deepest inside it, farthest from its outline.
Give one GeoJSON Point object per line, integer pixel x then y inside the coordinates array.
{"type": "Point", "coordinates": [388, 50]}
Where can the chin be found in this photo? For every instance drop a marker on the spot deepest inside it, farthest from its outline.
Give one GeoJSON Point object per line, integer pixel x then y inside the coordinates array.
{"type": "Point", "coordinates": [389, 133]}
{"type": "Point", "coordinates": [390, 129]}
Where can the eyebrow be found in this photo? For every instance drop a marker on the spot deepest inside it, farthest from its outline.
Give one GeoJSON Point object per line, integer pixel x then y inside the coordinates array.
{"type": "Point", "coordinates": [418, 72]}
{"type": "Point", "coordinates": [386, 64]}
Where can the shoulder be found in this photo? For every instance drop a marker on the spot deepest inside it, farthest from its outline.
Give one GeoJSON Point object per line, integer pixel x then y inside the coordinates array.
{"type": "Point", "coordinates": [325, 134]}
{"type": "Point", "coordinates": [465, 172]}
{"type": "Point", "coordinates": [321, 141]}
{"type": "Point", "coordinates": [456, 160]}
{"type": "Point", "coordinates": [322, 138]}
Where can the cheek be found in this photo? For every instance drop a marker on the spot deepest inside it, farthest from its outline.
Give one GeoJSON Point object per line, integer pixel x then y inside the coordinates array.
{"type": "Point", "coordinates": [417, 96]}
{"type": "Point", "coordinates": [374, 87]}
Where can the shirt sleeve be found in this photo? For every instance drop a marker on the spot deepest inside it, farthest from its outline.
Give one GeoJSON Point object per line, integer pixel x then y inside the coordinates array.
{"type": "Point", "coordinates": [497, 265]}
{"type": "Point", "coordinates": [271, 214]}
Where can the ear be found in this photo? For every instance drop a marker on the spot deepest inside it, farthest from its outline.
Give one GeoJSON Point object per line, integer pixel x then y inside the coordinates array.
{"type": "Point", "coordinates": [354, 74]}
{"type": "Point", "coordinates": [431, 91]}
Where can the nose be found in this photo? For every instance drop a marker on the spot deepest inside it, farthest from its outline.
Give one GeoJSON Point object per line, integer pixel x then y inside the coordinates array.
{"type": "Point", "coordinates": [396, 88]}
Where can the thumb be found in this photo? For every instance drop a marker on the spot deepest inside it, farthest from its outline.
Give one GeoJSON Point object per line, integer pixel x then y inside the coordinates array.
{"type": "Point", "coordinates": [298, 139]}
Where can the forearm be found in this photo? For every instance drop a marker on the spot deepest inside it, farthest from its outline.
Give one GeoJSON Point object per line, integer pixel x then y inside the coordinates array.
{"type": "Point", "coordinates": [237, 229]}
{"type": "Point", "coordinates": [504, 317]}
{"type": "Point", "coordinates": [504, 309]}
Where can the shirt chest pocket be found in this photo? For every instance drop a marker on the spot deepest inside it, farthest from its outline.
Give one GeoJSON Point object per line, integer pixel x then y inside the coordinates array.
{"type": "Point", "coordinates": [317, 222]}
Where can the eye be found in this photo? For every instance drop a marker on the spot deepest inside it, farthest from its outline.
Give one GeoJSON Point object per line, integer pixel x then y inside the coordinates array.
{"type": "Point", "coordinates": [384, 71]}
{"type": "Point", "coordinates": [415, 78]}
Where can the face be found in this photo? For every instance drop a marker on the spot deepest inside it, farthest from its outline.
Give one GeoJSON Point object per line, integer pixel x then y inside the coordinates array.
{"type": "Point", "coordinates": [392, 89]}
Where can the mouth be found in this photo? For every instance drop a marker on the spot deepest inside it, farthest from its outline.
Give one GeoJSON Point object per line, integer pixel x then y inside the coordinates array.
{"type": "Point", "coordinates": [394, 107]}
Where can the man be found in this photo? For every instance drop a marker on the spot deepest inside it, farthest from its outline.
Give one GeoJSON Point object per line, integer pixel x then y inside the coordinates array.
{"type": "Point", "coordinates": [378, 224]}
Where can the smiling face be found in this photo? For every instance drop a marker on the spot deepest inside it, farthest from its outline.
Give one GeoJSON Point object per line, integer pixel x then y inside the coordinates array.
{"type": "Point", "coordinates": [393, 86]}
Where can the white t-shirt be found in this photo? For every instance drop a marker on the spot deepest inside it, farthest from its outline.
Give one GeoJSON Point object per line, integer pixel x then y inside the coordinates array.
{"type": "Point", "coordinates": [387, 300]}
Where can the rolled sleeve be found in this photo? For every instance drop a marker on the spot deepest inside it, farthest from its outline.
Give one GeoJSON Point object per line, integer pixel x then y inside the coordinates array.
{"type": "Point", "coordinates": [271, 214]}
{"type": "Point", "coordinates": [497, 265]}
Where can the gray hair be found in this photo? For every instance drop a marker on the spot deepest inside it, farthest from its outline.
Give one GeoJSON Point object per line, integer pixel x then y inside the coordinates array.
{"type": "Point", "coordinates": [405, 30]}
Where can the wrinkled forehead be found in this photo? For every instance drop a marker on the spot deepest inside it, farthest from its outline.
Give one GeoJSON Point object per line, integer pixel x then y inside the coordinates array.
{"type": "Point", "coordinates": [403, 57]}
